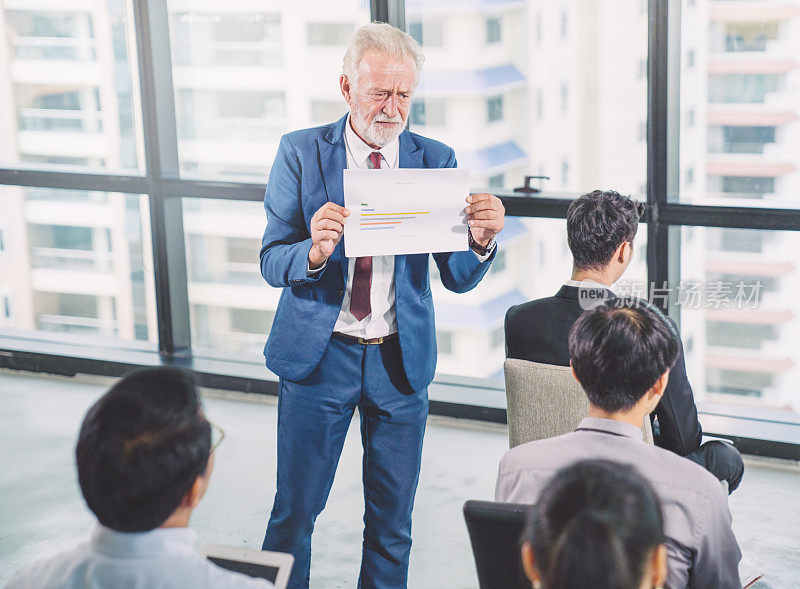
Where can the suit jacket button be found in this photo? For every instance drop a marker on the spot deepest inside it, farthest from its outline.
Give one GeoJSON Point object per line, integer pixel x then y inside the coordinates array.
{"type": "Point", "coordinates": [341, 292]}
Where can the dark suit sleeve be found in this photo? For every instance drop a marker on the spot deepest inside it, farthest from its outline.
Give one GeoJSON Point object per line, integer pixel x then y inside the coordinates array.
{"type": "Point", "coordinates": [286, 241]}
{"type": "Point", "coordinates": [510, 352]}
{"type": "Point", "coordinates": [677, 412]}
{"type": "Point", "coordinates": [461, 271]}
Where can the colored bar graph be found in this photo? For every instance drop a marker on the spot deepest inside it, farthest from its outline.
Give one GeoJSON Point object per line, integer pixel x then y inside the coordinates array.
{"type": "Point", "coordinates": [371, 219]}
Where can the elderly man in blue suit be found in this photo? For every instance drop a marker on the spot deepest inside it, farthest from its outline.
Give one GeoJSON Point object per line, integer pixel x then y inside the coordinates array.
{"type": "Point", "coordinates": [356, 332]}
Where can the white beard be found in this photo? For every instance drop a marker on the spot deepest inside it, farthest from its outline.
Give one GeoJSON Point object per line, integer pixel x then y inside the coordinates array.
{"type": "Point", "coordinates": [374, 133]}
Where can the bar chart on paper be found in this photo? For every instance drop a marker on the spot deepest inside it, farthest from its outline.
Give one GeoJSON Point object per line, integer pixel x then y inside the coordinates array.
{"type": "Point", "coordinates": [405, 211]}
{"type": "Point", "coordinates": [371, 220]}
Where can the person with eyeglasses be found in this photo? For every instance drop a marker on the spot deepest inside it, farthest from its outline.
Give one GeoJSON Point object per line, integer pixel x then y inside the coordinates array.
{"type": "Point", "coordinates": [597, 522]}
{"type": "Point", "coordinates": [145, 454]}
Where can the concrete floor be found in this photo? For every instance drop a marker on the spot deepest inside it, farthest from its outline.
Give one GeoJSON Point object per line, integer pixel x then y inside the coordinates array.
{"type": "Point", "coordinates": [42, 513]}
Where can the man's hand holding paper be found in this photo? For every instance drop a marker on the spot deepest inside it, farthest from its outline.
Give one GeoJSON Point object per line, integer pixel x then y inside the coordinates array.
{"type": "Point", "coordinates": [485, 215]}
{"type": "Point", "coordinates": [411, 211]}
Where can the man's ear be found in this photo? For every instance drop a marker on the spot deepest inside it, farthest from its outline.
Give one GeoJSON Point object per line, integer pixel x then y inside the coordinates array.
{"type": "Point", "coordinates": [195, 493]}
{"type": "Point", "coordinates": [198, 488]}
{"type": "Point", "coordinates": [575, 376]}
{"type": "Point", "coordinates": [529, 564]}
{"type": "Point", "coordinates": [653, 396]}
{"type": "Point", "coordinates": [345, 87]}
{"type": "Point", "coordinates": [659, 566]}
{"type": "Point", "coordinates": [623, 253]}
{"type": "Point", "coordinates": [661, 384]}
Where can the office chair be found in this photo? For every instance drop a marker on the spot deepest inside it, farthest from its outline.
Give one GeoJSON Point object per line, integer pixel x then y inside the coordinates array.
{"type": "Point", "coordinates": [494, 531]}
{"type": "Point", "coordinates": [544, 401]}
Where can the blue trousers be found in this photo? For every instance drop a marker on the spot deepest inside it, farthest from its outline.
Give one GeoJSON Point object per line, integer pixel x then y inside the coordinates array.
{"type": "Point", "coordinates": [313, 419]}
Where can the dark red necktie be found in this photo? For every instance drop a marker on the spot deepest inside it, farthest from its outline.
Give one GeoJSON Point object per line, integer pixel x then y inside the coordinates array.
{"type": "Point", "coordinates": [360, 305]}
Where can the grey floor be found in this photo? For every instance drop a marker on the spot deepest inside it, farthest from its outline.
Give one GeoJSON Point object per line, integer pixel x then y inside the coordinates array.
{"type": "Point", "coordinates": [41, 511]}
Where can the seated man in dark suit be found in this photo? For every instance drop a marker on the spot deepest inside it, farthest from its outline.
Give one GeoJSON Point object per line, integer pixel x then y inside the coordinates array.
{"type": "Point", "coordinates": [601, 227]}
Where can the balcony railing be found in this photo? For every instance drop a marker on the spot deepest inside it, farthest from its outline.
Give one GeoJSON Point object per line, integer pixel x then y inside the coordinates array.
{"type": "Point", "coordinates": [50, 119]}
{"type": "Point", "coordinates": [63, 196]}
{"type": "Point", "coordinates": [230, 273]}
{"type": "Point", "coordinates": [72, 259]}
{"type": "Point", "coordinates": [737, 43]}
{"type": "Point", "coordinates": [262, 130]}
{"type": "Point", "coordinates": [55, 48]}
{"type": "Point", "coordinates": [74, 324]}
{"type": "Point", "coordinates": [261, 53]}
{"type": "Point", "coordinates": [740, 147]}
{"type": "Point", "coordinates": [239, 53]}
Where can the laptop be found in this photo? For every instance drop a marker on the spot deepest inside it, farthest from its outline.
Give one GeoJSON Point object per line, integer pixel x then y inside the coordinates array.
{"type": "Point", "coordinates": [272, 566]}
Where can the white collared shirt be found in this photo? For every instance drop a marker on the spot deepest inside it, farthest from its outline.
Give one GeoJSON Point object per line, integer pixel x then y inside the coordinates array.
{"type": "Point", "coordinates": [164, 558]}
{"type": "Point", "coordinates": [382, 320]}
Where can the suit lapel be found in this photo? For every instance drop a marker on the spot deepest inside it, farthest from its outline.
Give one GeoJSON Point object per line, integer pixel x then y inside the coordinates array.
{"type": "Point", "coordinates": [410, 156]}
{"type": "Point", "coordinates": [410, 153]}
{"type": "Point", "coordinates": [332, 163]}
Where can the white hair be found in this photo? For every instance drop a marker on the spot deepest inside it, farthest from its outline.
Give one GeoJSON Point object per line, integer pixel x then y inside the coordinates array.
{"type": "Point", "coordinates": [386, 40]}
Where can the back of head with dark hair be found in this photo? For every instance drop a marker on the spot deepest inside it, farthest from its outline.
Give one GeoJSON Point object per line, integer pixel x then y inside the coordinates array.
{"type": "Point", "coordinates": [597, 224]}
{"type": "Point", "coordinates": [141, 447]}
{"type": "Point", "coordinates": [595, 524]}
{"type": "Point", "coordinates": [619, 350]}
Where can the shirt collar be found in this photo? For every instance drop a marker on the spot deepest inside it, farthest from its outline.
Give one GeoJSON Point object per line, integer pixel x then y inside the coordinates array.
{"type": "Point", "coordinates": [587, 284]}
{"type": "Point", "coordinates": [137, 544]}
{"type": "Point", "coordinates": [610, 426]}
{"type": "Point", "coordinates": [361, 151]}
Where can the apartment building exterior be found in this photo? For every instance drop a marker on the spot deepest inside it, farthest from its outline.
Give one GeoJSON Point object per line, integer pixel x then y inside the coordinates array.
{"type": "Point", "coordinates": [752, 131]}
{"type": "Point", "coordinates": [244, 73]}
{"type": "Point", "coordinates": [70, 261]}
{"type": "Point", "coordinates": [517, 87]}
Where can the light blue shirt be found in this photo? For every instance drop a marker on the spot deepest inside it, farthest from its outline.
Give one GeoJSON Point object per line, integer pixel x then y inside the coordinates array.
{"type": "Point", "coordinates": [163, 558]}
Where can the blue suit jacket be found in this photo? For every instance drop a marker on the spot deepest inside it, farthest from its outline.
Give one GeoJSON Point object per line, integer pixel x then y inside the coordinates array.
{"type": "Point", "coordinates": [306, 174]}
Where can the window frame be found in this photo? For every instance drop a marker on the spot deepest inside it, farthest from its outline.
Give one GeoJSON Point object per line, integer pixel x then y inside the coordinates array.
{"type": "Point", "coordinates": [165, 187]}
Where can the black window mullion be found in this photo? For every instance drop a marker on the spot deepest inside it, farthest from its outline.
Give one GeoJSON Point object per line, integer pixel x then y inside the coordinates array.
{"type": "Point", "coordinates": [662, 94]}
{"type": "Point", "coordinates": [161, 158]}
{"type": "Point", "coordinates": [389, 11]}
{"type": "Point", "coordinates": [73, 180]}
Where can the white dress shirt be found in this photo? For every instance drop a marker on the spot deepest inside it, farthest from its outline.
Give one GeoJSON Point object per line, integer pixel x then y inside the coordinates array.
{"type": "Point", "coordinates": [382, 320]}
{"type": "Point", "coordinates": [164, 558]}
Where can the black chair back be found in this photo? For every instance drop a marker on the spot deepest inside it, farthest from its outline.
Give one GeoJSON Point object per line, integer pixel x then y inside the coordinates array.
{"type": "Point", "coordinates": [495, 530]}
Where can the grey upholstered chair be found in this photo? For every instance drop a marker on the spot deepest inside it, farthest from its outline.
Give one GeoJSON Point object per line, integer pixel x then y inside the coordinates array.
{"type": "Point", "coordinates": [544, 401]}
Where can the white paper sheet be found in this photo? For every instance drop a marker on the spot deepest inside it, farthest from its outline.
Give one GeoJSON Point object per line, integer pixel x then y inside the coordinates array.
{"type": "Point", "coordinates": [405, 211]}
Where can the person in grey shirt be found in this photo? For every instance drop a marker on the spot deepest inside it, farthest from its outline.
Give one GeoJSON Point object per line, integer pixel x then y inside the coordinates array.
{"type": "Point", "coordinates": [144, 459]}
{"type": "Point", "coordinates": [621, 353]}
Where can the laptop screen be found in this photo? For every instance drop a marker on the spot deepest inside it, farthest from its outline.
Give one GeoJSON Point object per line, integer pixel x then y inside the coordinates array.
{"type": "Point", "coordinates": [259, 571]}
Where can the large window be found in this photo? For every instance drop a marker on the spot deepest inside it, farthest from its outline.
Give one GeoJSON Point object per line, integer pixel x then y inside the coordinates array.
{"type": "Point", "coordinates": [248, 75]}
{"type": "Point", "coordinates": [731, 285]}
{"type": "Point", "coordinates": [509, 109]}
{"type": "Point", "coordinates": [68, 85]}
{"type": "Point", "coordinates": [130, 185]}
{"type": "Point", "coordinates": [744, 87]}
{"type": "Point", "coordinates": [534, 261]}
{"type": "Point", "coordinates": [736, 303]}
{"type": "Point", "coordinates": [76, 266]}
{"type": "Point", "coordinates": [231, 305]}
